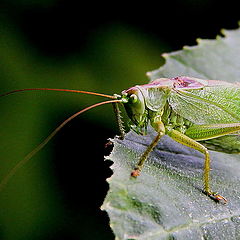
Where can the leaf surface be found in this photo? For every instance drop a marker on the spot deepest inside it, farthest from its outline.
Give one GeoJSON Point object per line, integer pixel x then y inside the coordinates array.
{"type": "Point", "coordinates": [165, 201]}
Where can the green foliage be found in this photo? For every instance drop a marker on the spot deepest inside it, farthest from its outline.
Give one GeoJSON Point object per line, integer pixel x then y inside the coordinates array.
{"type": "Point", "coordinates": [165, 201]}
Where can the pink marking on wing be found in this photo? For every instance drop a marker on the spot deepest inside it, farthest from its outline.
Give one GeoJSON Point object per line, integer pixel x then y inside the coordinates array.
{"type": "Point", "coordinates": [188, 82]}
{"type": "Point", "coordinates": [180, 82]}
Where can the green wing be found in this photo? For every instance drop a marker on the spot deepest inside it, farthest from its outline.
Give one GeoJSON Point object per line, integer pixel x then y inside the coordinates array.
{"type": "Point", "coordinates": [208, 105]}
{"type": "Point", "coordinates": [229, 143]}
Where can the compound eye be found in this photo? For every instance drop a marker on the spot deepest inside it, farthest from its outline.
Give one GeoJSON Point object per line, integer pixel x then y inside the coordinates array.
{"type": "Point", "coordinates": [134, 98]}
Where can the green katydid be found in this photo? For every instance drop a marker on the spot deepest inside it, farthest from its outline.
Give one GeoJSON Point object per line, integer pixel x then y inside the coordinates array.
{"type": "Point", "coordinates": [194, 112]}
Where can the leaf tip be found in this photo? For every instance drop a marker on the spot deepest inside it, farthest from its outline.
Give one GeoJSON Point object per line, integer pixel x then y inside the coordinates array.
{"type": "Point", "coordinates": [186, 47]}
{"type": "Point", "coordinates": [223, 31]}
{"type": "Point", "coordinates": [165, 55]}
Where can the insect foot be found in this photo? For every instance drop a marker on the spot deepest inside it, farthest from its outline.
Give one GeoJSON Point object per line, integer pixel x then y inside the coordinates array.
{"type": "Point", "coordinates": [216, 197]}
{"type": "Point", "coordinates": [135, 172]}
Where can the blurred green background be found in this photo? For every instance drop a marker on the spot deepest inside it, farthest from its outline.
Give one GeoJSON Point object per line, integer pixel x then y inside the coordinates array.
{"type": "Point", "coordinates": [101, 47]}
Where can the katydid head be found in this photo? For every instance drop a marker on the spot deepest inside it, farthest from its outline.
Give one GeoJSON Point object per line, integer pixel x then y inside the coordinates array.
{"type": "Point", "coordinates": [134, 103]}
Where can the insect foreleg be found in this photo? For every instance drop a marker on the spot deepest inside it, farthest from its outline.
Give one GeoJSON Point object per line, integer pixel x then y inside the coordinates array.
{"type": "Point", "coordinates": [161, 131]}
{"type": "Point", "coordinates": [185, 140]}
{"type": "Point", "coordinates": [119, 120]}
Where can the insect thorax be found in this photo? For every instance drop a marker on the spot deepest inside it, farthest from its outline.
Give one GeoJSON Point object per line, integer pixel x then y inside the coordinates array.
{"type": "Point", "coordinates": [170, 119]}
{"type": "Point", "coordinates": [173, 120]}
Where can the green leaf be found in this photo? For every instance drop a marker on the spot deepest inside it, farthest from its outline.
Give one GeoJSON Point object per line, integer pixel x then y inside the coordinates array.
{"type": "Point", "coordinates": [165, 201]}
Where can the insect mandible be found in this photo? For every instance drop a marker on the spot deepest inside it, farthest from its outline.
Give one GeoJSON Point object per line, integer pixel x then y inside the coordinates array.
{"type": "Point", "coordinates": [194, 112]}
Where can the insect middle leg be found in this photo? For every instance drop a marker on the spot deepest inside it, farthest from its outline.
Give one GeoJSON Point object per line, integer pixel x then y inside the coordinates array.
{"type": "Point", "coordinates": [185, 140]}
{"type": "Point", "coordinates": [161, 131]}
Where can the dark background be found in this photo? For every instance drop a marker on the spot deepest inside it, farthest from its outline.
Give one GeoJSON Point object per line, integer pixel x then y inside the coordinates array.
{"type": "Point", "coordinates": [102, 47]}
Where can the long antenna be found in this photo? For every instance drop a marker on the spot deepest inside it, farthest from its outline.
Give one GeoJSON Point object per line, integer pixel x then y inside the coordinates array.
{"type": "Point", "coordinates": [46, 140]}
{"type": "Point", "coordinates": [57, 89]}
